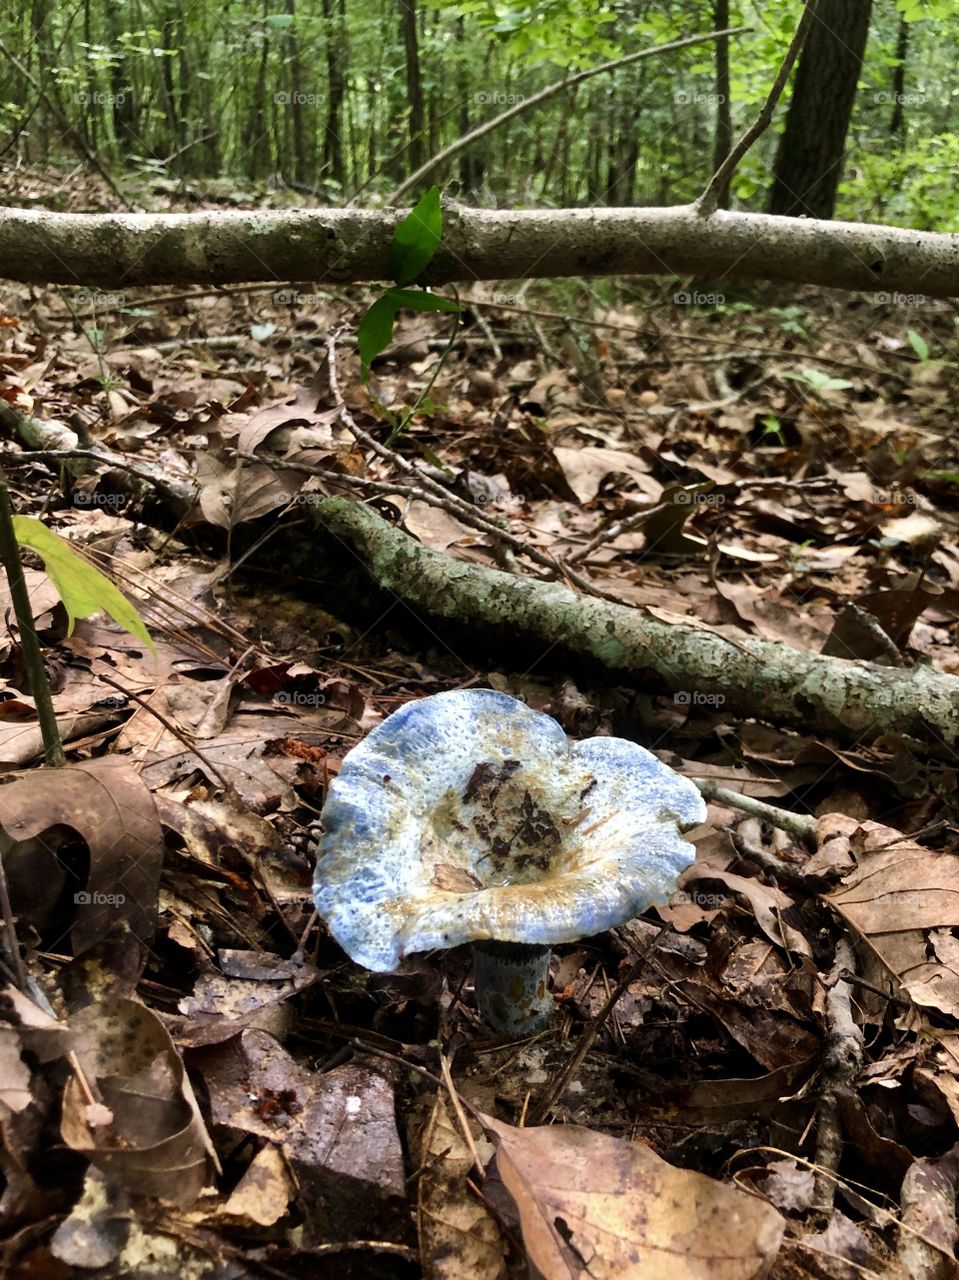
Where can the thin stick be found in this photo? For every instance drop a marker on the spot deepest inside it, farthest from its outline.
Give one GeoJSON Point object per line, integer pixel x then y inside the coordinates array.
{"type": "Point", "coordinates": [708, 202]}
{"type": "Point", "coordinates": [589, 1035]}
{"type": "Point", "coordinates": [527, 104]}
{"type": "Point", "coordinates": [799, 825]}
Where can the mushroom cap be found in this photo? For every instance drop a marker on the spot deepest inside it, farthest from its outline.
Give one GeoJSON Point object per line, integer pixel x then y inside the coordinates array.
{"type": "Point", "coordinates": [468, 817]}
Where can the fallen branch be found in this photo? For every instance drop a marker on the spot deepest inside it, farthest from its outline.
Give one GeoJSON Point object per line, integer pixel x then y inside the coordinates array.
{"type": "Point", "coordinates": [118, 251]}
{"type": "Point", "coordinates": [847, 699]}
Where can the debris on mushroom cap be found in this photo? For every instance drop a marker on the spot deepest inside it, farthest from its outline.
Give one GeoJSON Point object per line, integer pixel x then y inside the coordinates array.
{"type": "Point", "coordinates": [466, 817]}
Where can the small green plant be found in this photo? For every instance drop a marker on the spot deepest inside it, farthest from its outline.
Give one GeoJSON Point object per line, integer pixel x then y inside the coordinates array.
{"type": "Point", "coordinates": [82, 588]}
{"type": "Point", "coordinates": [790, 320]}
{"type": "Point", "coordinates": [795, 559]}
{"type": "Point", "coordinates": [919, 345]}
{"type": "Point", "coordinates": [772, 427]}
{"type": "Point", "coordinates": [415, 241]}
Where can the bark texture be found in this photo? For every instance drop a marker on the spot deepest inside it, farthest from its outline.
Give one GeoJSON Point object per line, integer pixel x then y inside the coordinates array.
{"type": "Point", "coordinates": [809, 162]}
{"type": "Point", "coordinates": [124, 251]}
{"type": "Point", "coordinates": [849, 700]}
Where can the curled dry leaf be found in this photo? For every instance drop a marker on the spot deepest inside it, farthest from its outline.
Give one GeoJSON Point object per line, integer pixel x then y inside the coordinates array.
{"type": "Point", "coordinates": [903, 900]}
{"type": "Point", "coordinates": [108, 805]}
{"type": "Point", "coordinates": [156, 1143]}
{"type": "Point", "coordinates": [603, 1208]}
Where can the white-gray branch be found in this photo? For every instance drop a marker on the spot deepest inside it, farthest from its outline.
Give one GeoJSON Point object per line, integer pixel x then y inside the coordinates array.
{"type": "Point", "coordinates": [335, 246]}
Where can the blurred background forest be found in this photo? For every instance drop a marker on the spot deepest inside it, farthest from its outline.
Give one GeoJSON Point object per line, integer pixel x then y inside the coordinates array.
{"type": "Point", "coordinates": [346, 97]}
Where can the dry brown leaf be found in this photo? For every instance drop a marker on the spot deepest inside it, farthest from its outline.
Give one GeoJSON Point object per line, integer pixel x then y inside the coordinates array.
{"type": "Point", "coordinates": [434, 527]}
{"type": "Point", "coordinates": [458, 1235]}
{"type": "Point", "coordinates": [767, 903]}
{"type": "Point", "coordinates": [585, 470]}
{"type": "Point", "coordinates": [250, 989]}
{"type": "Point", "coordinates": [903, 900]}
{"type": "Point", "coordinates": [107, 804]}
{"type": "Point", "coordinates": [265, 1192]}
{"type": "Point", "coordinates": [603, 1208]}
{"type": "Point", "coordinates": [157, 1144]}
{"type": "Point", "coordinates": [454, 879]}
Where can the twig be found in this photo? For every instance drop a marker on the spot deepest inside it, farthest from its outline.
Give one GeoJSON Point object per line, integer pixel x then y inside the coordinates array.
{"type": "Point", "coordinates": [799, 825]}
{"type": "Point", "coordinates": [526, 104]}
{"type": "Point", "coordinates": [592, 1031]}
{"type": "Point", "coordinates": [841, 1061]}
{"type": "Point", "coordinates": [460, 1116]}
{"type": "Point", "coordinates": [709, 200]}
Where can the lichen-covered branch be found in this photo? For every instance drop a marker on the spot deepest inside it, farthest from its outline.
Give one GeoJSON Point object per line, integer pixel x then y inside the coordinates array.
{"type": "Point", "coordinates": [847, 699]}
{"type": "Point", "coordinates": [120, 251]}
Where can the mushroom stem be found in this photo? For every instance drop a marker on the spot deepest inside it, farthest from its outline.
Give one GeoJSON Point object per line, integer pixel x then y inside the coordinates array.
{"type": "Point", "coordinates": [512, 986]}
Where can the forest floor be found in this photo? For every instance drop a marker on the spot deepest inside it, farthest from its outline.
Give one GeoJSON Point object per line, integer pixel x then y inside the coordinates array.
{"type": "Point", "coordinates": [201, 1082]}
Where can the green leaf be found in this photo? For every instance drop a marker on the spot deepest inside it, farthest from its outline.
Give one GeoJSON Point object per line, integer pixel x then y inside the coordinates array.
{"type": "Point", "coordinates": [82, 588]}
{"type": "Point", "coordinates": [375, 331]}
{"type": "Point", "coordinates": [416, 300]}
{"type": "Point", "coordinates": [918, 344]}
{"type": "Point", "coordinates": [416, 238]}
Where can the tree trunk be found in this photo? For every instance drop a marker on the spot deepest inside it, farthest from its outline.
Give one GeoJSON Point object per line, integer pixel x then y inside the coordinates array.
{"type": "Point", "coordinates": [121, 88]}
{"type": "Point", "coordinates": [723, 140]}
{"type": "Point", "coordinates": [897, 122]}
{"type": "Point", "coordinates": [416, 155]}
{"type": "Point", "coordinates": [302, 163]}
{"type": "Point", "coordinates": [809, 160]}
{"type": "Point", "coordinates": [333, 162]}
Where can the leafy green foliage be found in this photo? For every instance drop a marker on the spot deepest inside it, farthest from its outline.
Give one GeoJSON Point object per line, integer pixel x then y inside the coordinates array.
{"type": "Point", "coordinates": [415, 241]}
{"type": "Point", "coordinates": [918, 344]}
{"type": "Point", "coordinates": [82, 588]}
{"type": "Point", "coordinates": [566, 33]}
{"type": "Point", "coordinates": [168, 96]}
{"type": "Point", "coordinates": [417, 238]}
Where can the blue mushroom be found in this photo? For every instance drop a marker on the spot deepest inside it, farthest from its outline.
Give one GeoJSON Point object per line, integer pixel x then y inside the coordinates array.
{"type": "Point", "coordinates": [466, 817]}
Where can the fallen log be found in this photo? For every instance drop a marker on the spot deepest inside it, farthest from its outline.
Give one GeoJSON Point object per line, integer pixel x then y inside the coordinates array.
{"type": "Point", "coordinates": [847, 699]}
